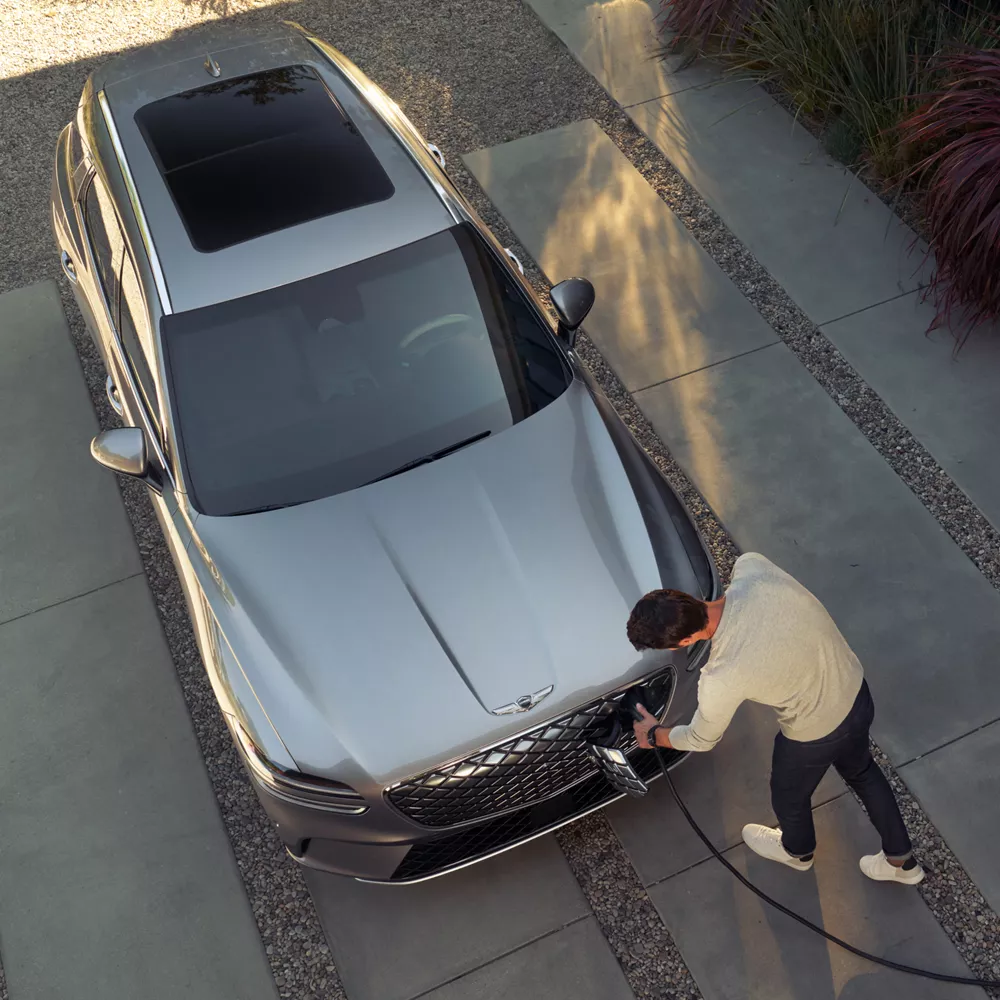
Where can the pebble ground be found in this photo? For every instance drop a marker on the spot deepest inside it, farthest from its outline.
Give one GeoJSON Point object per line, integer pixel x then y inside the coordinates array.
{"type": "Point", "coordinates": [471, 74]}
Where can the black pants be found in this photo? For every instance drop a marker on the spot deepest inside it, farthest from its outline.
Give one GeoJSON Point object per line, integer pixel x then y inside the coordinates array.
{"type": "Point", "coordinates": [797, 768]}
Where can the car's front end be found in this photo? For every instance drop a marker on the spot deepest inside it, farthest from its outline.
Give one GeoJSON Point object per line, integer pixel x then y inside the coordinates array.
{"type": "Point", "coordinates": [464, 810]}
{"type": "Point", "coordinates": [431, 661]}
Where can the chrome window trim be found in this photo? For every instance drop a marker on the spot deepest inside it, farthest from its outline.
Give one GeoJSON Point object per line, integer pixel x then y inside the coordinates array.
{"type": "Point", "coordinates": [133, 195]}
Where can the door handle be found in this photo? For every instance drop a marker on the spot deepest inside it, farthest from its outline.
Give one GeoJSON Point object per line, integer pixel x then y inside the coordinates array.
{"type": "Point", "coordinates": [510, 253]}
{"type": "Point", "coordinates": [113, 398]}
{"type": "Point", "coordinates": [437, 154]}
{"type": "Point", "coordinates": [69, 268]}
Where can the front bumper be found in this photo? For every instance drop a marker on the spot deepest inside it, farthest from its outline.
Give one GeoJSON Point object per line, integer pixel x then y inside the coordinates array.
{"type": "Point", "coordinates": [386, 846]}
{"type": "Point", "coordinates": [429, 858]}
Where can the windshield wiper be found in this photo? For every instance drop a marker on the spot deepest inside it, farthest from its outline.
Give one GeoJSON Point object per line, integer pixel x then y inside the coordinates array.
{"type": "Point", "coordinates": [266, 507]}
{"type": "Point", "coordinates": [433, 456]}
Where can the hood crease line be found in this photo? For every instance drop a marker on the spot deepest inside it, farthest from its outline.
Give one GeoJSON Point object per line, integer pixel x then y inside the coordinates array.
{"type": "Point", "coordinates": [424, 613]}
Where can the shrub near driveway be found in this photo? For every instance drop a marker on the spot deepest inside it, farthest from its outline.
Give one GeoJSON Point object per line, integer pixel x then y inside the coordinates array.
{"type": "Point", "coordinates": [960, 182]}
{"type": "Point", "coordinates": [860, 69]}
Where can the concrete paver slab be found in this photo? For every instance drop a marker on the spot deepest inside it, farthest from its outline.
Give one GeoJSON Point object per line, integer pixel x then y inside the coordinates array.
{"type": "Point", "coordinates": [959, 786]}
{"type": "Point", "coordinates": [948, 401]}
{"type": "Point", "coordinates": [63, 529]}
{"type": "Point", "coordinates": [116, 876]}
{"type": "Point", "coordinates": [740, 949]}
{"type": "Point", "coordinates": [790, 475]}
{"type": "Point", "coordinates": [784, 198]}
{"type": "Point", "coordinates": [724, 790]}
{"type": "Point", "coordinates": [154, 922]}
{"type": "Point", "coordinates": [617, 42]}
{"type": "Point", "coordinates": [574, 963]}
{"type": "Point", "coordinates": [396, 942]}
{"type": "Point", "coordinates": [663, 306]}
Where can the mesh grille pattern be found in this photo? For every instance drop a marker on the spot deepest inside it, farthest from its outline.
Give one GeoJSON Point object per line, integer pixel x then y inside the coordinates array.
{"type": "Point", "coordinates": [434, 856]}
{"type": "Point", "coordinates": [530, 768]}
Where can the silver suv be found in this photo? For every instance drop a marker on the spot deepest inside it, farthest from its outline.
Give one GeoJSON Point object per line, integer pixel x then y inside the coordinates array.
{"type": "Point", "coordinates": [408, 525]}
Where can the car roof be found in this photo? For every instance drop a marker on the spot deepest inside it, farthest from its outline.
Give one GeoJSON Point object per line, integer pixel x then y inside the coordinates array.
{"type": "Point", "coordinates": [195, 278]}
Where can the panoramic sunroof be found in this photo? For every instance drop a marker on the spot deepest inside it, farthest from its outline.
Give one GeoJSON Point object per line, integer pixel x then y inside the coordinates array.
{"type": "Point", "coordinates": [247, 157]}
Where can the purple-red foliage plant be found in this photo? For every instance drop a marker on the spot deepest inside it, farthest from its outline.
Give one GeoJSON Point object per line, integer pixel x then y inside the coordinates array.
{"type": "Point", "coordinates": [700, 25]}
{"type": "Point", "coordinates": [955, 134]}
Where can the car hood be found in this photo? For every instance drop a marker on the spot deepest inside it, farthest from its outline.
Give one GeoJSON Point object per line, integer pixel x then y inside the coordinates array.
{"type": "Point", "coordinates": [381, 628]}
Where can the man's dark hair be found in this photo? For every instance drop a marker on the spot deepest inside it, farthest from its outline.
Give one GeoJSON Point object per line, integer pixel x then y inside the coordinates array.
{"type": "Point", "coordinates": [663, 618]}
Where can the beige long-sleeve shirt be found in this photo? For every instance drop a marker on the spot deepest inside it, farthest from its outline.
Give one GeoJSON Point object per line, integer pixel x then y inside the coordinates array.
{"type": "Point", "coordinates": [778, 646]}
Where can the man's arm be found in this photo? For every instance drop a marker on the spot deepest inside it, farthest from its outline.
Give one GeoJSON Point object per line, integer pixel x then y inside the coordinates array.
{"type": "Point", "coordinates": [717, 705]}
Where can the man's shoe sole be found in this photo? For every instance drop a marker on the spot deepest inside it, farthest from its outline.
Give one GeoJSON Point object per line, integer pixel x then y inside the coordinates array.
{"type": "Point", "coordinates": [908, 878]}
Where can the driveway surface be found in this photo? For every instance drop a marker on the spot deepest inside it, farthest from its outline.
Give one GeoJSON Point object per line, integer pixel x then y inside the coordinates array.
{"type": "Point", "coordinates": [688, 321]}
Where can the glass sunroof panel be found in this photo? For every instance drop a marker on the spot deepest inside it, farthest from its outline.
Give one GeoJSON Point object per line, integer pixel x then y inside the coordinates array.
{"type": "Point", "coordinates": [259, 153]}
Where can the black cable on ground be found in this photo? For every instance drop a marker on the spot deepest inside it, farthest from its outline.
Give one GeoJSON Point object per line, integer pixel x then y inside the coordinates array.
{"type": "Point", "coordinates": [911, 970]}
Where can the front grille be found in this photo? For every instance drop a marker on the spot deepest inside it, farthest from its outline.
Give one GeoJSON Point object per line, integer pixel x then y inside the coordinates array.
{"type": "Point", "coordinates": [519, 772]}
{"type": "Point", "coordinates": [432, 857]}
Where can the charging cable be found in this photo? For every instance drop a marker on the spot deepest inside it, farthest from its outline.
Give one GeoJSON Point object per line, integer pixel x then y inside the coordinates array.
{"type": "Point", "coordinates": [925, 973]}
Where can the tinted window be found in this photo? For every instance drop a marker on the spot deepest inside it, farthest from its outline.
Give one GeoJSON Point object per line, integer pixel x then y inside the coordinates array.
{"type": "Point", "coordinates": [105, 239]}
{"type": "Point", "coordinates": [253, 155]}
{"type": "Point", "coordinates": [135, 337]}
{"type": "Point", "coordinates": [320, 386]}
{"type": "Point", "coordinates": [75, 147]}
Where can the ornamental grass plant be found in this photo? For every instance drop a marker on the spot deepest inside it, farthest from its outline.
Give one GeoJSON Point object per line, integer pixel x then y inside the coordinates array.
{"type": "Point", "coordinates": [905, 91]}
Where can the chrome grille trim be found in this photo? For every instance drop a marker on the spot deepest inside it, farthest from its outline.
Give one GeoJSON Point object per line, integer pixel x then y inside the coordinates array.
{"type": "Point", "coordinates": [521, 770]}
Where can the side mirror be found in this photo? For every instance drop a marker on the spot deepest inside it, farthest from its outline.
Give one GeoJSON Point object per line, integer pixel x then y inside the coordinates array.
{"type": "Point", "coordinates": [122, 450]}
{"type": "Point", "coordinates": [573, 299]}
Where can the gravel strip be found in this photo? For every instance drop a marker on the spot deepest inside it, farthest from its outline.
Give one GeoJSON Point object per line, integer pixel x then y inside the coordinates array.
{"type": "Point", "coordinates": [947, 890]}
{"type": "Point", "coordinates": [638, 937]}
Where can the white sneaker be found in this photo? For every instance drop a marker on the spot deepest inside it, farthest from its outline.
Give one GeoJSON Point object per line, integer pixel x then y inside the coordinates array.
{"type": "Point", "coordinates": [766, 841]}
{"type": "Point", "coordinates": [877, 867]}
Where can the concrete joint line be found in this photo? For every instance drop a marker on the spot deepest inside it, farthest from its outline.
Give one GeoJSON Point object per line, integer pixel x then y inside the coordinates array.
{"type": "Point", "coordinates": [874, 305]}
{"type": "Point", "coordinates": [948, 743]}
{"type": "Point", "coordinates": [497, 958]}
{"type": "Point", "coordinates": [714, 364]}
{"type": "Point", "coordinates": [74, 597]}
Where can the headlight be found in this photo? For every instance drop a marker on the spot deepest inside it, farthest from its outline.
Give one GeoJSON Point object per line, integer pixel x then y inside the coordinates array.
{"type": "Point", "coordinates": [294, 787]}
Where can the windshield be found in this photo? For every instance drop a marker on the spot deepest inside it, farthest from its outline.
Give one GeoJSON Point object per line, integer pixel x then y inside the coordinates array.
{"type": "Point", "coordinates": [321, 386]}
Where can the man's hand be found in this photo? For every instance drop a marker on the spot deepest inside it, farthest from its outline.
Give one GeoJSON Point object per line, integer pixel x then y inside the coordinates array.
{"type": "Point", "coordinates": [641, 728]}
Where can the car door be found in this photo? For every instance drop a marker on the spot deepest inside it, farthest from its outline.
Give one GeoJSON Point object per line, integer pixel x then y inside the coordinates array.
{"type": "Point", "coordinates": [98, 283]}
{"type": "Point", "coordinates": [120, 324]}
